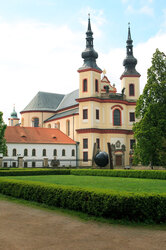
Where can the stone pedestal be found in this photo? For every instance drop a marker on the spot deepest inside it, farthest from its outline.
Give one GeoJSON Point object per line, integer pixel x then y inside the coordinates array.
{"type": "Point", "coordinates": [20, 162]}
{"type": "Point", "coordinates": [45, 162]}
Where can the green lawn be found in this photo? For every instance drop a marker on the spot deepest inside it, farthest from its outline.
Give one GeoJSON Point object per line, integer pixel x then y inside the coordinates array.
{"type": "Point", "coordinates": [106, 183]}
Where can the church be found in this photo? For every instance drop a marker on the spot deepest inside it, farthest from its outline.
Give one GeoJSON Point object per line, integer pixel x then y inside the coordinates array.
{"type": "Point", "coordinates": [94, 113]}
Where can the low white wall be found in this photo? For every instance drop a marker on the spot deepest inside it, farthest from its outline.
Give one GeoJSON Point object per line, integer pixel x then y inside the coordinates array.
{"type": "Point", "coordinates": [66, 160]}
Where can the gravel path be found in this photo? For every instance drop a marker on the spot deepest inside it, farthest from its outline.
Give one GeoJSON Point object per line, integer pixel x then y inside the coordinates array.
{"type": "Point", "coordinates": [27, 228]}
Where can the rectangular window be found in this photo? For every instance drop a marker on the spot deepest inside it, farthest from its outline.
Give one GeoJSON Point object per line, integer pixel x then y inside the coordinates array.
{"type": "Point", "coordinates": [132, 142]}
{"type": "Point", "coordinates": [85, 156]}
{"type": "Point", "coordinates": [85, 85]}
{"type": "Point", "coordinates": [85, 114]}
{"type": "Point", "coordinates": [132, 117]}
{"type": "Point", "coordinates": [85, 143]}
{"type": "Point", "coordinates": [98, 142]}
{"type": "Point", "coordinates": [97, 114]}
{"type": "Point", "coordinates": [96, 86]}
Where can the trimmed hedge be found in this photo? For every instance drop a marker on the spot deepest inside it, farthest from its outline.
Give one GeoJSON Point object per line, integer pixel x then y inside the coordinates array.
{"type": "Point", "coordinates": [115, 205]}
{"type": "Point", "coordinates": [149, 174]}
{"type": "Point", "coordinates": [23, 172]}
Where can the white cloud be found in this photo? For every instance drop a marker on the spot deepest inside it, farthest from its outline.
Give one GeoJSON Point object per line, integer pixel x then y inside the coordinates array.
{"type": "Point", "coordinates": [36, 57]}
{"type": "Point", "coordinates": [146, 10]}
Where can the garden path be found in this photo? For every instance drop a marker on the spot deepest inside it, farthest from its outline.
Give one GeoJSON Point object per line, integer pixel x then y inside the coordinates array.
{"type": "Point", "coordinates": [28, 228]}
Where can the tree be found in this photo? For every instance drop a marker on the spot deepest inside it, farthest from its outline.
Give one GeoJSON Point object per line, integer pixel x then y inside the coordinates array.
{"type": "Point", "coordinates": [150, 131]}
{"type": "Point", "coordinates": [3, 147]}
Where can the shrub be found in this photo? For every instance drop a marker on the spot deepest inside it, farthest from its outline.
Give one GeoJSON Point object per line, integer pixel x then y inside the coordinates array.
{"type": "Point", "coordinates": [115, 205]}
{"type": "Point", "coordinates": [23, 172]}
{"type": "Point", "coordinates": [149, 174]}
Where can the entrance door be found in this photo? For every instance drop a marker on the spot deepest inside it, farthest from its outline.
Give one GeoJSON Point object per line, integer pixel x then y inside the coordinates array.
{"type": "Point", "coordinates": [118, 160]}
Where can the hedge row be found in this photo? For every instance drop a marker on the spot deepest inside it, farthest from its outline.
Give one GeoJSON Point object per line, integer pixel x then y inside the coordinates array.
{"type": "Point", "coordinates": [128, 206]}
{"type": "Point", "coordinates": [149, 174]}
{"type": "Point", "coordinates": [23, 172]}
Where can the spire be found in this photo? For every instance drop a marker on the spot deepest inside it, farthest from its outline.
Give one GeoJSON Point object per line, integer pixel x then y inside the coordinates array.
{"type": "Point", "coordinates": [130, 61]}
{"type": "Point", "coordinates": [89, 54]}
{"type": "Point", "coordinates": [14, 113]}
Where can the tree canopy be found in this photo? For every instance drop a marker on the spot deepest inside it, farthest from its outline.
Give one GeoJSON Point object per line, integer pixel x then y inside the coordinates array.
{"type": "Point", "coordinates": [150, 131]}
{"type": "Point", "coordinates": [3, 126]}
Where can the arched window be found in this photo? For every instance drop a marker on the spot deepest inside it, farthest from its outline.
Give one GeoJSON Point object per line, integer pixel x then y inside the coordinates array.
{"type": "Point", "coordinates": [73, 152]}
{"type": "Point", "coordinates": [44, 152]}
{"type": "Point", "coordinates": [68, 127]}
{"type": "Point", "coordinates": [96, 86]}
{"type": "Point", "coordinates": [131, 90]}
{"type": "Point", "coordinates": [55, 152]}
{"type": "Point", "coordinates": [14, 152]}
{"type": "Point", "coordinates": [116, 117]}
{"type": "Point", "coordinates": [49, 125]}
{"type": "Point", "coordinates": [85, 85]}
{"type": "Point", "coordinates": [25, 152]}
{"type": "Point", "coordinates": [63, 152]}
{"type": "Point", "coordinates": [35, 122]}
{"type": "Point", "coordinates": [33, 152]}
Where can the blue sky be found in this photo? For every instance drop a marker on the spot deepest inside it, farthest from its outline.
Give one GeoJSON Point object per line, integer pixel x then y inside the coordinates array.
{"type": "Point", "coordinates": [42, 40]}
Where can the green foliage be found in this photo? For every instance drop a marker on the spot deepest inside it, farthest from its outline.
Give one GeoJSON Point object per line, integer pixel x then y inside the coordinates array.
{"type": "Point", "coordinates": [26, 172]}
{"type": "Point", "coordinates": [150, 131]}
{"type": "Point", "coordinates": [115, 205]}
{"type": "Point", "coordinates": [3, 147]}
{"type": "Point", "coordinates": [148, 174]}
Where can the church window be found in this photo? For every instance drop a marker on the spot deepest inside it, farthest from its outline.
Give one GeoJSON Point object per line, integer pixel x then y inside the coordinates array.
{"type": "Point", "coordinates": [116, 117]}
{"type": "Point", "coordinates": [35, 122]}
{"type": "Point", "coordinates": [85, 156]}
{"type": "Point", "coordinates": [68, 127]}
{"type": "Point", "coordinates": [132, 117]}
{"type": "Point", "coordinates": [73, 152]}
{"type": "Point", "coordinates": [85, 114]}
{"type": "Point", "coordinates": [85, 85]}
{"type": "Point", "coordinates": [96, 86]}
{"type": "Point", "coordinates": [97, 114]}
{"type": "Point", "coordinates": [55, 152]}
{"type": "Point", "coordinates": [85, 143]}
{"type": "Point", "coordinates": [63, 152]}
{"type": "Point", "coordinates": [131, 89]}
{"type": "Point", "coordinates": [98, 142]}
{"type": "Point", "coordinates": [14, 152]}
{"type": "Point", "coordinates": [25, 152]}
{"type": "Point", "coordinates": [44, 152]}
{"type": "Point", "coordinates": [33, 152]}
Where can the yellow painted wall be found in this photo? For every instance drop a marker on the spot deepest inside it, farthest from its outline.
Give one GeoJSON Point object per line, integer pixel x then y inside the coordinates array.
{"type": "Point", "coordinates": [125, 84]}
{"type": "Point", "coordinates": [26, 118]}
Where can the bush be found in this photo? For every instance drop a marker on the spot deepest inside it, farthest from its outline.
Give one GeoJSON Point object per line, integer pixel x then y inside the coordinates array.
{"type": "Point", "coordinates": [23, 172]}
{"type": "Point", "coordinates": [149, 174]}
{"type": "Point", "coordinates": [115, 205]}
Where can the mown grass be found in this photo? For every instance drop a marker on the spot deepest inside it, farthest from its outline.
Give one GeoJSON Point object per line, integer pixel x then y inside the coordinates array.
{"type": "Point", "coordinates": [106, 183]}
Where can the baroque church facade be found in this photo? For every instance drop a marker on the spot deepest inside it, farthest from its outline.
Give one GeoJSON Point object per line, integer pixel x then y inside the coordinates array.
{"type": "Point", "coordinates": [94, 113]}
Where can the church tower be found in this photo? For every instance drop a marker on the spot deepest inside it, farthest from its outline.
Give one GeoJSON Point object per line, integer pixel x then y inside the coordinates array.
{"type": "Point", "coordinates": [13, 120]}
{"type": "Point", "coordinates": [90, 73]}
{"type": "Point", "coordinates": [130, 77]}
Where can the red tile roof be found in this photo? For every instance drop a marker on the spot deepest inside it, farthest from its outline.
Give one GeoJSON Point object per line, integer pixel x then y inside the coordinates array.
{"type": "Point", "coordinates": [16, 134]}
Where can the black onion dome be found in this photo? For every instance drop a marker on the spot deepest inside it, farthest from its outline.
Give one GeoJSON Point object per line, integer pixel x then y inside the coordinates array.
{"type": "Point", "coordinates": [130, 61]}
{"type": "Point", "coordinates": [89, 54]}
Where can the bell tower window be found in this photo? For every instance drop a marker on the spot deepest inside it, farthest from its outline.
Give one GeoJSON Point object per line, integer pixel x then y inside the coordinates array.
{"type": "Point", "coordinates": [96, 86]}
{"type": "Point", "coordinates": [131, 90]}
{"type": "Point", "coordinates": [85, 85]}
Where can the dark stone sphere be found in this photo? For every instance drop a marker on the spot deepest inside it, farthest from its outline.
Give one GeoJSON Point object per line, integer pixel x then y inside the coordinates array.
{"type": "Point", "coordinates": [101, 159]}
